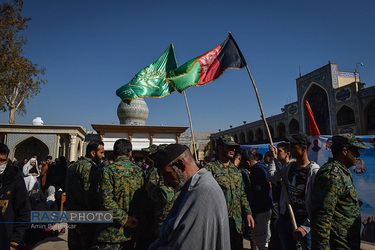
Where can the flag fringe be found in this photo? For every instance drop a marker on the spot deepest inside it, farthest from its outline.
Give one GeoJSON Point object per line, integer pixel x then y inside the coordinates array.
{"type": "Point", "coordinates": [132, 99]}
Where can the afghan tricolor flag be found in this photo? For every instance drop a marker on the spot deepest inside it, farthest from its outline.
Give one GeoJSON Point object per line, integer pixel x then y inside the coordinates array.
{"type": "Point", "coordinates": [314, 130]}
{"type": "Point", "coordinates": [207, 67]}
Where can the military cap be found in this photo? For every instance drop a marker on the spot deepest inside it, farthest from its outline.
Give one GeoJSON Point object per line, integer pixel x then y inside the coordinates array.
{"type": "Point", "coordinates": [169, 154]}
{"type": "Point", "coordinates": [227, 140]}
{"type": "Point", "coordinates": [349, 139]}
{"type": "Point", "coordinates": [299, 138]}
{"type": "Point", "coordinates": [152, 149]}
{"type": "Point", "coordinates": [155, 152]}
{"type": "Point", "coordinates": [161, 146]}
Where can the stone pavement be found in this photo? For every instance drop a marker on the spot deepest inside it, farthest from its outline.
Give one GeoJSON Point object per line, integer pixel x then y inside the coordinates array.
{"type": "Point", "coordinates": [61, 242]}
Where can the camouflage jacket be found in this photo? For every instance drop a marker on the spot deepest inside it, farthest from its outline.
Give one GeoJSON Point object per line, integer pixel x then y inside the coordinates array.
{"type": "Point", "coordinates": [163, 196]}
{"type": "Point", "coordinates": [120, 181]}
{"type": "Point", "coordinates": [336, 218]}
{"type": "Point", "coordinates": [230, 180]}
{"type": "Point", "coordinates": [82, 186]}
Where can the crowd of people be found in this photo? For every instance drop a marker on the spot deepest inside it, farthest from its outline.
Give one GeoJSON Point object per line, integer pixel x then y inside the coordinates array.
{"type": "Point", "coordinates": [28, 186]}
{"type": "Point", "coordinates": [167, 200]}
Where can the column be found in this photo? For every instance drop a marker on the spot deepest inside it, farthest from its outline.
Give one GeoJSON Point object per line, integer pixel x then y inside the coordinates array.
{"type": "Point", "coordinates": [151, 139]}
{"type": "Point", "coordinates": [130, 137]}
{"type": "Point", "coordinates": [72, 147]}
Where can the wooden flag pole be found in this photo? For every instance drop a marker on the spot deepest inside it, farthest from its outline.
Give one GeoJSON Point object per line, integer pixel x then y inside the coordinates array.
{"type": "Point", "coordinates": [285, 191]}
{"type": "Point", "coordinates": [191, 124]}
{"type": "Point", "coordinates": [191, 129]}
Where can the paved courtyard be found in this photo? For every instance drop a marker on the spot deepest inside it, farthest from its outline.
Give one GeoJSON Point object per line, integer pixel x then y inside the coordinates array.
{"type": "Point", "coordinates": [61, 242]}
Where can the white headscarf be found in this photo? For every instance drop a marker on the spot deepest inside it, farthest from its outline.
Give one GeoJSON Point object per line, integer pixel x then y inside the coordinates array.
{"type": "Point", "coordinates": [26, 167]}
{"type": "Point", "coordinates": [31, 181]}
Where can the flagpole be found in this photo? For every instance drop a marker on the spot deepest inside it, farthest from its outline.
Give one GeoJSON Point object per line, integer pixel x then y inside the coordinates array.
{"type": "Point", "coordinates": [285, 191]}
{"type": "Point", "coordinates": [191, 128]}
{"type": "Point", "coordinates": [289, 207]}
{"type": "Point", "coordinates": [191, 124]}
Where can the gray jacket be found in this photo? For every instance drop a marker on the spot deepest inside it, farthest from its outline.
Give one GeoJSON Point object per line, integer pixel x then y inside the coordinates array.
{"type": "Point", "coordinates": [274, 176]}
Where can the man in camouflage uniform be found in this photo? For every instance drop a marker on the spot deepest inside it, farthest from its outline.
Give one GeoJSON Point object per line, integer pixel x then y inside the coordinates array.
{"type": "Point", "coordinates": [154, 199]}
{"type": "Point", "coordinates": [230, 180]}
{"type": "Point", "coordinates": [120, 182]}
{"type": "Point", "coordinates": [162, 195]}
{"type": "Point", "coordinates": [336, 217]}
{"type": "Point", "coordinates": [82, 194]}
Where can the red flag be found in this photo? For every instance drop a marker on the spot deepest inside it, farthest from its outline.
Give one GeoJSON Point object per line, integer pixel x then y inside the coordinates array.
{"type": "Point", "coordinates": [312, 124]}
{"type": "Point", "coordinates": [209, 66]}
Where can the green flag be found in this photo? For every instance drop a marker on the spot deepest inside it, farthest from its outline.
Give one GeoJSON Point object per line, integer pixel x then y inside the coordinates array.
{"type": "Point", "coordinates": [150, 81]}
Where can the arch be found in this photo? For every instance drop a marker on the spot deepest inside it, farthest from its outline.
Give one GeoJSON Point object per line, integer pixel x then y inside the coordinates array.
{"type": "Point", "coordinates": [250, 137]}
{"type": "Point", "coordinates": [235, 137]}
{"type": "Point", "coordinates": [293, 126]}
{"type": "Point", "coordinates": [79, 149]}
{"type": "Point", "coordinates": [369, 115]}
{"type": "Point", "coordinates": [242, 138]}
{"type": "Point", "coordinates": [61, 146]}
{"type": "Point", "coordinates": [345, 116]}
{"type": "Point", "coordinates": [280, 130]}
{"type": "Point", "coordinates": [29, 146]}
{"type": "Point", "coordinates": [271, 131]}
{"type": "Point", "coordinates": [259, 134]}
{"type": "Point", "coordinates": [318, 98]}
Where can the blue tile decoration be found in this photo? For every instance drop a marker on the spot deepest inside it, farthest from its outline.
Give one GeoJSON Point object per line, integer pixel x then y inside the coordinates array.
{"type": "Point", "coordinates": [292, 109]}
{"type": "Point", "coordinates": [15, 138]}
{"type": "Point", "coordinates": [335, 81]}
{"type": "Point", "coordinates": [349, 74]}
{"type": "Point", "coordinates": [343, 94]}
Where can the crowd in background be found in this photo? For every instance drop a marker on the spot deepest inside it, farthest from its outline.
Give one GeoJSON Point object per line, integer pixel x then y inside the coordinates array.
{"type": "Point", "coordinates": [258, 194]}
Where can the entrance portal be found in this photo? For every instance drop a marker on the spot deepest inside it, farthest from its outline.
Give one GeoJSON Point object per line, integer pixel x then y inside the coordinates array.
{"type": "Point", "coordinates": [30, 146]}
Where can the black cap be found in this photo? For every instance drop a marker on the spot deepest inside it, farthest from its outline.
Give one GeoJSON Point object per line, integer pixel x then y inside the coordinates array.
{"type": "Point", "coordinates": [169, 154]}
{"type": "Point", "coordinates": [299, 138]}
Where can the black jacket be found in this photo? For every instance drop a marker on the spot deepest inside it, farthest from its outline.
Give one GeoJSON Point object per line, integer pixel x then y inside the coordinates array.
{"type": "Point", "coordinates": [14, 205]}
{"type": "Point", "coordinates": [260, 188]}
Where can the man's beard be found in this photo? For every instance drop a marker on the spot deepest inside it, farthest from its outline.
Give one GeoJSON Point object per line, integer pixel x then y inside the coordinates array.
{"type": "Point", "coordinates": [96, 159]}
{"type": "Point", "coordinates": [181, 178]}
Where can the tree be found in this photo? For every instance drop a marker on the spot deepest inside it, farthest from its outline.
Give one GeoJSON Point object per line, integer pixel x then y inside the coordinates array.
{"type": "Point", "coordinates": [207, 148]}
{"type": "Point", "coordinates": [19, 77]}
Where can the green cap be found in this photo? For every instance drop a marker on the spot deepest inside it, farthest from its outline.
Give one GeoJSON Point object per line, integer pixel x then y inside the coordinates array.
{"type": "Point", "coordinates": [347, 140]}
{"type": "Point", "coordinates": [152, 149]}
{"type": "Point", "coordinates": [161, 146]}
{"type": "Point", "coordinates": [228, 140]}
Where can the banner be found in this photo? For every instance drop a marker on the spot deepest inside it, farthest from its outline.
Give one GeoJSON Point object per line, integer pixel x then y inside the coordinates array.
{"type": "Point", "coordinates": [363, 174]}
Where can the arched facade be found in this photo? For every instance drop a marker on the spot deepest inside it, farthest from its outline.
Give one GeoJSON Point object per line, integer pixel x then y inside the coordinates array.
{"type": "Point", "coordinates": [30, 146]}
{"type": "Point", "coordinates": [293, 126]}
{"type": "Point", "coordinates": [369, 117]}
{"type": "Point", "coordinates": [317, 97]}
{"type": "Point", "coordinates": [345, 116]}
{"type": "Point", "coordinates": [242, 138]}
{"type": "Point", "coordinates": [272, 132]}
{"type": "Point", "coordinates": [339, 101]}
{"type": "Point", "coordinates": [43, 140]}
{"type": "Point", "coordinates": [280, 130]}
{"type": "Point", "coordinates": [250, 137]}
{"type": "Point", "coordinates": [235, 137]}
{"type": "Point", "coordinates": [259, 134]}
